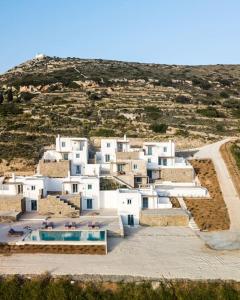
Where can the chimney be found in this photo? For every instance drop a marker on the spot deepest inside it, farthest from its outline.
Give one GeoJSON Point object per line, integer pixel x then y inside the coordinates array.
{"type": "Point", "coordinates": [125, 137]}
{"type": "Point", "coordinates": [13, 177]}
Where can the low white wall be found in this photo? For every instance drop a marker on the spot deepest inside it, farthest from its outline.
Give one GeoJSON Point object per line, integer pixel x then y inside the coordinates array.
{"type": "Point", "coordinates": [7, 189]}
{"type": "Point", "coordinates": [199, 192]}
{"type": "Point", "coordinates": [109, 199]}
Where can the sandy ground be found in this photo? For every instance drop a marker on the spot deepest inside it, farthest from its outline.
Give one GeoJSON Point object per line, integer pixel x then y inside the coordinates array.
{"type": "Point", "coordinates": [156, 252]}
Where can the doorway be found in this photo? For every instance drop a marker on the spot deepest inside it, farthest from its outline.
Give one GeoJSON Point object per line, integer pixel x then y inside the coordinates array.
{"type": "Point", "coordinates": [89, 203]}
{"type": "Point", "coordinates": [33, 205]}
{"type": "Point", "coordinates": [130, 220]}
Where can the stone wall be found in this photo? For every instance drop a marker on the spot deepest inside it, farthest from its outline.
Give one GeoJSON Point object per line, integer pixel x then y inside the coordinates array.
{"type": "Point", "coordinates": [177, 174]}
{"type": "Point", "coordinates": [55, 207]}
{"type": "Point", "coordinates": [164, 220]}
{"type": "Point", "coordinates": [58, 249]}
{"type": "Point", "coordinates": [54, 169]}
{"type": "Point", "coordinates": [127, 155]}
{"type": "Point", "coordinates": [11, 203]}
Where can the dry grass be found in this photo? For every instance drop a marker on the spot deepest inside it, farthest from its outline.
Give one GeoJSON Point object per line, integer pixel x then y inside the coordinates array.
{"type": "Point", "coordinates": [175, 202]}
{"type": "Point", "coordinates": [209, 214]}
{"type": "Point", "coordinates": [231, 164]}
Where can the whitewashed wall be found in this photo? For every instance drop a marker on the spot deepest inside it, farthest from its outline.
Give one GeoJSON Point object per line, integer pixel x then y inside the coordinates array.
{"type": "Point", "coordinates": [109, 199]}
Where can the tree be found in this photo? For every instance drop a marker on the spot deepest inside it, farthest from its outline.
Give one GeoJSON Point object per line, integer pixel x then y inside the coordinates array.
{"type": "Point", "coordinates": [1, 98]}
{"type": "Point", "coordinates": [10, 95]}
{"type": "Point", "coordinates": [159, 128]}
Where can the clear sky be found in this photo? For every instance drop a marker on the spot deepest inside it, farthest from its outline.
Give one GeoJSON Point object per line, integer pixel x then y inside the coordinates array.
{"type": "Point", "coordinates": [160, 31]}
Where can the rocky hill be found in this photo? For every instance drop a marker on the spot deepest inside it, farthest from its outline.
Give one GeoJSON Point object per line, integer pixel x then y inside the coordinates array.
{"type": "Point", "coordinates": [71, 96]}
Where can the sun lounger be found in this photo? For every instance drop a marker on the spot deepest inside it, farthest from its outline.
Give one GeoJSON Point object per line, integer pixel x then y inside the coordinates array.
{"type": "Point", "coordinates": [70, 225]}
{"type": "Point", "coordinates": [13, 232]}
{"type": "Point", "coordinates": [47, 225]}
{"type": "Point", "coordinates": [93, 225]}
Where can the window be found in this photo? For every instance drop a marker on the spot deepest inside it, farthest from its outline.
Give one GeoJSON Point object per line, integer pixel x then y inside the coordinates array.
{"type": "Point", "coordinates": [135, 166]}
{"type": "Point", "coordinates": [139, 179]}
{"type": "Point", "coordinates": [81, 146]}
{"type": "Point", "coordinates": [149, 160]}
{"type": "Point", "coordinates": [107, 158]}
{"type": "Point", "coordinates": [33, 188]}
{"type": "Point", "coordinates": [164, 149]}
{"type": "Point", "coordinates": [149, 150]}
{"type": "Point", "coordinates": [65, 156]}
{"type": "Point", "coordinates": [120, 168]}
{"type": "Point", "coordinates": [78, 169]}
{"type": "Point", "coordinates": [89, 186]}
{"type": "Point", "coordinates": [162, 161]}
{"type": "Point", "coordinates": [108, 145]}
{"type": "Point", "coordinates": [75, 188]}
{"type": "Point", "coordinates": [145, 202]}
{"type": "Point", "coordinates": [77, 155]}
{"type": "Point", "coordinates": [63, 144]}
{"type": "Point", "coordinates": [129, 201]}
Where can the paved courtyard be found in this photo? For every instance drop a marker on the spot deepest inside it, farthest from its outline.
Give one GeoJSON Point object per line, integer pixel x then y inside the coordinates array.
{"type": "Point", "coordinates": [156, 252]}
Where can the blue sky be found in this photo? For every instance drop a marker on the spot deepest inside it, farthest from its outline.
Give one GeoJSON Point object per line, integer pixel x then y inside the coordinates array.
{"type": "Point", "coordinates": [160, 31]}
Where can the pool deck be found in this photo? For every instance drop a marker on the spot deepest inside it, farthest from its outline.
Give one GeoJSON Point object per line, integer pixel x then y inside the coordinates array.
{"type": "Point", "coordinates": [34, 222]}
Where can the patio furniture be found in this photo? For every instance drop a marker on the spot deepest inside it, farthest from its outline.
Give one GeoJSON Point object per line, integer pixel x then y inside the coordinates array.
{"type": "Point", "coordinates": [93, 225]}
{"type": "Point", "coordinates": [44, 225]}
{"type": "Point", "coordinates": [70, 225]}
{"type": "Point", "coordinates": [50, 225]}
{"type": "Point", "coordinates": [13, 232]}
{"type": "Point", "coordinates": [47, 225]}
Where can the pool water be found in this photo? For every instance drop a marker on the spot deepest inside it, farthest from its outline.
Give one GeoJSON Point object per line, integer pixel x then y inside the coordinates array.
{"type": "Point", "coordinates": [70, 236]}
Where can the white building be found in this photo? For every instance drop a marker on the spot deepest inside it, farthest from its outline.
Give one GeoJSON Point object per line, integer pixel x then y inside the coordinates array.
{"type": "Point", "coordinates": [109, 148]}
{"type": "Point", "coordinates": [83, 179]}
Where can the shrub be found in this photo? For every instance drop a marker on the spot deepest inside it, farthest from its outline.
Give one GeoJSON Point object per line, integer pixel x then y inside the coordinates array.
{"type": "Point", "coordinates": [104, 132]}
{"type": "Point", "coordinates": [183, 99]}
{"type": "Point", "coordinates": [224, 94]}
{"type": "Point", "coordinates": [210, 112]}
{"type": "Point", "coordinates": [231, 103]}
{"type": "Point", "coordinates": [9, 109]}
{"type": "Point", "coordinates": [159, 128]}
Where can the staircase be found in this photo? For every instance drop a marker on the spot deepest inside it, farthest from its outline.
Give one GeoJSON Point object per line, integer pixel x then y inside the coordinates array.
{"type": "Point", "coordinates": [69, 202]}
{"type": "Point", "coordinates": [120, 181]}
{"type": "Point", "coordinates": [192, 224]}
{"type": "Point", "coordinates": [58, 206]}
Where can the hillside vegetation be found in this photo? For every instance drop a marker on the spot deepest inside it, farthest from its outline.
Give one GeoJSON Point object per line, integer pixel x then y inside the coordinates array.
{"type": "Point", "coordinates": [71, 96]}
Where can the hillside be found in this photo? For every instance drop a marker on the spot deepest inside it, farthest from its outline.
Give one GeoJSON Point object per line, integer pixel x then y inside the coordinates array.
{"type": "Point", "coordinates": [71, 96]}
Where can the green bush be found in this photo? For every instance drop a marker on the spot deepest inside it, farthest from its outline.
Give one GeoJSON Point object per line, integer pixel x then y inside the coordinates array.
{"type": "Point", "coordinates": [159, 128]}
{"type": "Point", "coordinates": [224, 94]}
{"type": "Point", "coordinates": [7, 109]}
{"type": "Point", "coordinates": [47, 288]}
{"type": "Point", "coordinates": [104, 132]}
{"type": "Point", "coordinates": [183, 99]}
{"type": "Point", "coordinates": [210, 112]}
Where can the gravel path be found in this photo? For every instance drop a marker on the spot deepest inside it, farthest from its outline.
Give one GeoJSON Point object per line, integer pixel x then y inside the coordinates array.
{"type": "Point", "coordinates": [229, 239]}
{"type": "Point", "coordinates": [229, 192]}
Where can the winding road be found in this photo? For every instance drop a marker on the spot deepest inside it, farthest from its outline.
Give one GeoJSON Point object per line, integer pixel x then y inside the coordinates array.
{"type": "Point", "coordinates": [229, 239]}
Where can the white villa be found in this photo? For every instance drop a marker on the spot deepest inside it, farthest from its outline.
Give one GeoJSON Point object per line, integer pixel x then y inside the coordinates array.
{"type": "Point", "coordinates": [67, 181]}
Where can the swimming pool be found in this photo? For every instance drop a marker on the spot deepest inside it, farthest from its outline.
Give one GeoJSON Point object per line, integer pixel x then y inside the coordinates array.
{"type": "Point", "coordinates": [67, 235]}
{"type": "Point", "coordinates": [72, 235]}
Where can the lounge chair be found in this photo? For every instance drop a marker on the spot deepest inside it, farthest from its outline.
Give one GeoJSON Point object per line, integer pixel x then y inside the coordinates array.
{"type": "Point", "coordinates": [44, 225]}
{"type": "Point", "coordinates": [47, 225]}
{"type": "Point", "coordinates": [13, 232]}
{"type": "Point", "coordinates": [93, 225]}
{"type": "Point", "coordinates": [50, 225]}
{"type": "Point", "coordinates": [70, 225]}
